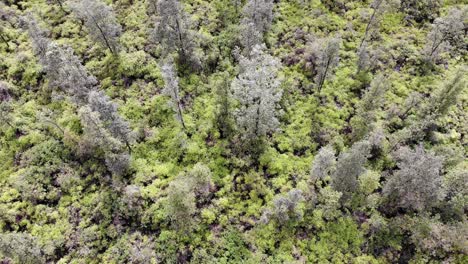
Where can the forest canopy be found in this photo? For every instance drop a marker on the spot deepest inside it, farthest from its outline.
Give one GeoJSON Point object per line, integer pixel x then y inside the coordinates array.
{"type": "Point", "coordinates": [233, 131]}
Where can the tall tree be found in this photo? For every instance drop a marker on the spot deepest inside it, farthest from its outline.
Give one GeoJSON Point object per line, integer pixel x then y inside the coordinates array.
{"type": "Point", "coordinates": [363, 122]}
{"type": "Point", "coordinates": [37, 34]}
{"type": "Point", "coordinates": [224, 118]}
{"type": "Point", "coordinates": [349, 167]}
{"type": "Point", "coordinates": [446, 32]}
{"type": "Point", "coordinates": [324, 163]}
{"type": "Point", "coordinates": [98, 136]}
{"type": "Point", "coordinates": [173, 31]}
{"type": "Point", "coordinates": [100, 21]}
{"type": "Point", "coordinates": [109, 115]}
{"type": "Point", "coordinates": [171, 89]}
{"type": "Point", "coordinates": [258, 92]}
{"type": "Point", "coordinates": [416, 184]}
{"type": "Point", "coordinates": [379, 7]}
{"type": "Point", "coordinates": [432, 110]}
{"type": "Point", "coordinates": [259, 13]}
{"type": "Point", "coordinates": [256, 20]}
{"type": "Point", "coordinates": [328, 58]}
{"type": "Point", "coordinates": [183, 194]}
{"type": "Point", "coordinates": [65, 71]}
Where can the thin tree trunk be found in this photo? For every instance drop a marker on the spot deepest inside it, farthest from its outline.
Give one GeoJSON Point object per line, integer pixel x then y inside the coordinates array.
{"type": "Point", "coordinates": [370, 22]}
{"type": "Point", "coordinates": [322, 80]}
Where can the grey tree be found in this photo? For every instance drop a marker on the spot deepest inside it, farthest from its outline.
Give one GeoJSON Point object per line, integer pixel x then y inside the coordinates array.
{"type": "Point", "coordinates": [324, 163]}
{"type": "Point", "coordinates": [447, 32]}
{"type": "Point", "coordinates": [98, 136]}
{"type": "Point", "coordinates": [327, 59]}
{"type": "Point", "coordinates": [65, 71]}
{"type": "Point", "coordinates": [37, 34]}
{"type": "Point", "coordinates": [171, 89]}
{"type": "Point", "coordinates": [110, 117]}
{"type": "Point", "coordinates": [21, 248]}
{"type": "Point", "coordinates": [379, 7]}
{"type": "Point", "coordinates": [432, 109]}
{"type": "Point", "coordinates": [416, 184]}
{"type": "Point", "coordinates": [259, 13]}
{"type": "Point", "coordinates": [364, 119]}
{"type": "Point", "coordinates": [349, 167]}
{"type": "Point", "coordinates": [5, 105]}
{"type": "Point", "coordinates": [100, 21]}
{"type": "Point", "coordinates": [173, 31]}
{"type": "Point", "coordinates": [249, 37]}
{"type": "Point", "coordinates": [285, 208]}
{"type": "Point", "coordinates": [257, 90]}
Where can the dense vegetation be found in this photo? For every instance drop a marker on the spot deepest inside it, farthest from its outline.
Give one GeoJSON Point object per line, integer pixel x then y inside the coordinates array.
{"type": "Point", "coordinates": [228, 131]}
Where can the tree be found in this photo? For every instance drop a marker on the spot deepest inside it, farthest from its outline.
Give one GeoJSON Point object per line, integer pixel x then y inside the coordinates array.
{"type": "Point", "coordinates": [184, 192]}
{"type": "Point", "coordinates": [416, 184]}
{"type": "Point", "coordinates": [349, 167]}
{"type": "Point", "coordinates": [324, 163]}
{"type": "Point", "coordinates": [257, 18]}
{"type": "Point", "coordinates": [249, 37]}
{"type": "Point", "coordinates": [21, 248]}
{"type": "Point", "coordinates": [363, 122]}
{"type": "Point", "coordinates": [173, 31]}
{"type": "Point", "coordinates": [329, 202]}
{"type": "Point", "coordinates": [152, 7]}
{"type": "Point", "coordinates": [327, 59]}
{"type": "Point", "coordinates": [379, 7]}
{"type": "Point", "coordinates": [38, 36]}
{"type": "Point", "coordinates": [5, 105]}
{"type": "Point", "coordinates": [421, 10]}
{"type": "Point", "coordinates": [285, 208]}
{"type": "Point", "coordinates": [65, 71]}
{"type": "Point", "coordinates": [171, 89]}
{"type": "Point", "coordinates": [100, 21]}
{"type": "Point", "coordinates": [446, 32]}
{"type": "Point", "coordinates": [257, 90]}
{"type": "Point", "coordinates": [109, 116]}
{"type": "Point", "coordinates": [224, 118]}
{"type": "Point", "coordinates": [200, 176]}
{"type": "Point", "coordinates": [97, 135]}
{"type": "Point", "coordinates": [132, 248]}
{"type": "Point", "coordinates": [259, 13]}
{"type": "Point", "coordinates": [432, 110]}
{"type": "Point", "coordinates": [180, 205]}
